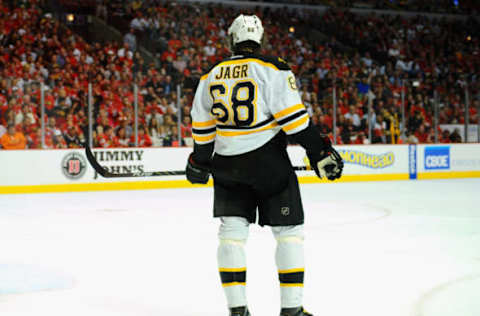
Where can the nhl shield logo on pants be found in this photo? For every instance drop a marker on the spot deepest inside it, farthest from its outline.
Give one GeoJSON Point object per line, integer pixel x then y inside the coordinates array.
{"type": "Point", "coordinates": [285, 211]}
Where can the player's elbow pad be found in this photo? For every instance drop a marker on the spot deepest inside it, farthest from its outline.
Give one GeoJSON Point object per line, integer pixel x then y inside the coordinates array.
{"type": "Point", "coordinates": [310, 139]}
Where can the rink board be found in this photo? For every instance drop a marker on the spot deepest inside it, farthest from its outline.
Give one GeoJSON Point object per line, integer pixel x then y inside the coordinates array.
{"type": "Point", "coordinates": [35, 171]}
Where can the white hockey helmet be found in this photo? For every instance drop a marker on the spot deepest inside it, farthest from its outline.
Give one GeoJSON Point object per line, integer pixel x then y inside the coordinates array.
{"type": "Point", "coordinates": [246, 28]}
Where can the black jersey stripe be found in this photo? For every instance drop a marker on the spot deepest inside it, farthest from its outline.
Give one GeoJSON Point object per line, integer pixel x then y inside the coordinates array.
{"type": "Point", "coordinates": [263, 123]}
{"type": "Point", "coordinates": [291, 117]}
{"type": "Point", "coordinates": [204, 131]}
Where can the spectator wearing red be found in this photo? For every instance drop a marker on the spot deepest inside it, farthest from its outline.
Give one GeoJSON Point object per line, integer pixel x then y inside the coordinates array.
{"type": "Point", "coordinates": [169, 55]}
{"type": "Point", "coordinates": [186, 127]}
{"type": "Point", "coordinates": [104, 137]}
{"type": "Point", "coordinates": [143, 139]}
{"type": "Point", "coordinates": [422, 134]}
{"type": "Point", "coordinates": [59, 141]}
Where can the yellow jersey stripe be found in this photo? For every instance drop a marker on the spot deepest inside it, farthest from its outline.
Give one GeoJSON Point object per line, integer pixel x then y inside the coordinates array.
{"type": "Point", "coordinates": [234, 283]}
{"type": "Point", "coordinates": [246, 132]}
{"type": "Point", "coordinates": [291, 284]}
{"type": "Point", "coordinates": [292, 270]}
{"type": "Point", "coordinates": [290, 110]}
{"type": "Point", "coordinates": [296, 124]}
{"type": "Point", "coordinates": [232, 269]}
{"type": "Point", "coordinates": [240, 62]}
{"type": "Point", "coordinates": [204, 138]}
{"type": "Point", "coordinates": [210, 123]}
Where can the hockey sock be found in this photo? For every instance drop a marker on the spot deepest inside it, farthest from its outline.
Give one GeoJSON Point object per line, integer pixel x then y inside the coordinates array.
{"type": "Point", "coordinates": [231, 260]}
{"type": "Point", "coordinates": [289, 258]}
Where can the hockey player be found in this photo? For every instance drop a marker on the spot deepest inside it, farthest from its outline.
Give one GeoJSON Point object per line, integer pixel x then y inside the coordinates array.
{"type": "Point", "coordinates": [243, 110]}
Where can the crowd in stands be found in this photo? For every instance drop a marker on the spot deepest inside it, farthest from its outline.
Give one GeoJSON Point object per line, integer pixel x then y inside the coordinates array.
{"type": "Point", "coordinates": [426, 6]}
{"type": "Point", "coordinates": [427, 55]}
{"type": "Point", "coordinates": [36, 48]}
{"type": "Point", "coordinates": [470, 7]}
{"type": "Point", "coordinates": [380, 58]}
{"type": "Point", "coordinates": [382, 53]}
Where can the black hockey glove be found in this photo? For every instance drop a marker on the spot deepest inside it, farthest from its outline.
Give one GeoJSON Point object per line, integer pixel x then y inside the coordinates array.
{"type": "Point", "coordinates": [196, 173]}
{"type": "Point", "coordinates": [327, 163]}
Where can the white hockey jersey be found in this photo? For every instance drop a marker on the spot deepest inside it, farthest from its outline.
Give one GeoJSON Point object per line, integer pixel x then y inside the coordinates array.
{"type": "Point", "coordinates": [244, 101]}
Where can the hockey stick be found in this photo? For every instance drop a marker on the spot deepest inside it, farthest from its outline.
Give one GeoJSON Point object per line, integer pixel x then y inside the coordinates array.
{"type": "Point", "coordinates": [107, 174]}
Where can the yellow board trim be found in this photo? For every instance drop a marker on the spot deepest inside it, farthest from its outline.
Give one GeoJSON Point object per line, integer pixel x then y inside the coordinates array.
{"type": "Point", "coordinates": [102, 186]}
{"type": "Point", "coordinates": [210, 123]}
{"type": "Point", "coordinates": [295, 124]}
{"type": "Point", "coordinates": [233, 284]}
{"type": "Point", "coordinates": [291, 284]}
{"type": "Point", "coordinates": [175, 184]}
{"type": "Point", "coordinates": [357, 177]}
{"type": "Point", "coordinates": [246, 132]}
{"type": "Point", "coordinates": [240, 62]}
{"type": "Point", "coordinates": [203, 138]}
{"type": "Point", "coordinates": [232, 269]}
{"type": "Point", "coordinates": [290, 110]}
{"type": "Point", "coordinates": [448, 175]}
{"type": "Point", "coordinates": [292, 270]}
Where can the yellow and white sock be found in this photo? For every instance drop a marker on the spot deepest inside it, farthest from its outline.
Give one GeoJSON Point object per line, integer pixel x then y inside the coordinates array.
{"type": "Point", "coordinates": [289, 257]}
{"type": "Point", "coordinates": [231, 259]}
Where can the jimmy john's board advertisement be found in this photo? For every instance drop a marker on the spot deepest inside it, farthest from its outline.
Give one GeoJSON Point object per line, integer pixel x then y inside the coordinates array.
{"type": "Point", "coordinates": [38, 167]}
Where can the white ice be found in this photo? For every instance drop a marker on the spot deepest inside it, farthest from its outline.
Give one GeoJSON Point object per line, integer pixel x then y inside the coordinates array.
{"type": "Point", "coordinates": [408, 248]}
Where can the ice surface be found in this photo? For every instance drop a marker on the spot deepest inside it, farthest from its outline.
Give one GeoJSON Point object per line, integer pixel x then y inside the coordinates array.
{"type": "Point", "coordinates": [408, 248]}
